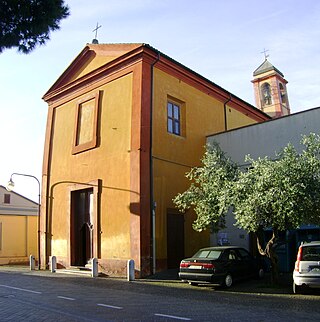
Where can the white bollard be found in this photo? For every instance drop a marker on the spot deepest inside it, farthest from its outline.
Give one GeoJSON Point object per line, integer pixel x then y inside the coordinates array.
{"type": "Point", "coordinates": [53, 263]}
{"type": "Point", "coordinates": [94, 272]}
{"type": "Point", "coordinates": [32, 262]}
{"type": "Point", "coordinates": [130, 270]}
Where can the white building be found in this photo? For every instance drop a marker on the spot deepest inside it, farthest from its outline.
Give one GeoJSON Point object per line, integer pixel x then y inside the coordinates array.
{"type": "Point", "coordinates": [18, 228]}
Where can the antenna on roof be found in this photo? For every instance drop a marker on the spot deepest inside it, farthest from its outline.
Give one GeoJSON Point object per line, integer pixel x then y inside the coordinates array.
{"type": "Point", "coordinates": [265, 53]}
{"type": "Point", "coordinates": [95, 40]}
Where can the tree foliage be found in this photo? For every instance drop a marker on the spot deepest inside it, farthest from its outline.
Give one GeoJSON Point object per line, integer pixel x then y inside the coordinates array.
{"type": "Point", "coordinates": [27, 23]}
{"type": "Point", "coordinates": [278, 194]}
{"type": "Point", "coordinates": [281, 193]}
{"type": "Point", "coordinates": [209, 191]}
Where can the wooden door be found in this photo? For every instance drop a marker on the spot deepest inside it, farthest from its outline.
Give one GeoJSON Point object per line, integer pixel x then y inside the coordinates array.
{"type": "Point", "coordinates": [175, 239]}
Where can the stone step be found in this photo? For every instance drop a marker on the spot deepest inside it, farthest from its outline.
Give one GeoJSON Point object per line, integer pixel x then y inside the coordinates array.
{"type": "Point", "coordinates": [81, 268]}
{"type": "Point", "coordinates": [75, 270]}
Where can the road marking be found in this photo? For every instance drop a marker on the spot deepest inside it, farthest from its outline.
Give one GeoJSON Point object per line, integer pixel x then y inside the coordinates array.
{"type": "Point", "coordinates": [110, 306]}
{"type": "Point", "coordinates": [66, 298]}
{"type": "Point", "coordinates": [20, 289]}
{"type": "Point", "coordinates": [172, 317]}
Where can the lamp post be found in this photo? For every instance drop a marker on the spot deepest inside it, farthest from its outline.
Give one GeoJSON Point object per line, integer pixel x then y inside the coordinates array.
{"type": "Point", "coordinates": [10, 187]}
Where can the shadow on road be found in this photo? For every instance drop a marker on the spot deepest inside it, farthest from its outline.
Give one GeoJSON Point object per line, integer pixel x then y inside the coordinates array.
{"type": "Point", "coordinates": [246, 286]}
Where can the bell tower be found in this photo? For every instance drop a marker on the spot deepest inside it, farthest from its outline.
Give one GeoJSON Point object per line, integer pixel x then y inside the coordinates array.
{"type": "Point", "coordinates": [270, 90]}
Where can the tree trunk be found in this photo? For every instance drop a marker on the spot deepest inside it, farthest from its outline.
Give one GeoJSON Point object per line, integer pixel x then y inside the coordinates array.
{"type": "Point", "coordinates": [274, 266]}
{"type": "Point", "coordinates": [269, 252]}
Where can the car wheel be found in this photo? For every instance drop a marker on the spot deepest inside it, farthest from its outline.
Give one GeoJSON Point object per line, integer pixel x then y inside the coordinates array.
{"type": "Point", "coordinates": [228, 280]}
{"type": "Point", "coordinates": [261, 273]}
{"type": "Point", "coordinates": [297, 289]}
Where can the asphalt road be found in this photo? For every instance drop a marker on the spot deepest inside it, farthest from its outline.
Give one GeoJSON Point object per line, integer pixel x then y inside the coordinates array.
{"type": "Point", "coordinates": [43, 296]}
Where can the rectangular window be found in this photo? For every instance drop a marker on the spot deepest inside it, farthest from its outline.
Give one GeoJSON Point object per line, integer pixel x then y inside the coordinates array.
{"type": "Point", "coordinates": [86, 127]}
{"type": "Point", "coordinates": [7, 198]}
{"type": "Point", "coordinates": [85, 122]}
{"type": "Point", "coordinates": [174, 118]}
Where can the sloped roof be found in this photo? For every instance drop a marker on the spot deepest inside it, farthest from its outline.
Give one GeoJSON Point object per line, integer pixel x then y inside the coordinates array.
{"type": "Point", "coordinates": [96, 58]}
{"type": "Point", "coordinates": [266, 66]}
{"type": "Point", "coordinates": [103, 52]}
{"type": "Point", "coordinates": [4, 189]}
{"type": "Point", "coordinates": [18, 206]}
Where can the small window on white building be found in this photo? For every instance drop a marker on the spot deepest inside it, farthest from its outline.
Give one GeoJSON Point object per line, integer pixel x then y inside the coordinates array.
{"type": "Point", "coordinates": [6, 198]}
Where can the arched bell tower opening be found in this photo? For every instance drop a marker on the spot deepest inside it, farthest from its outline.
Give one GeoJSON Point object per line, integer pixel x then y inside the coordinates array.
{"type": "Point", "coordinates": [270, 90]}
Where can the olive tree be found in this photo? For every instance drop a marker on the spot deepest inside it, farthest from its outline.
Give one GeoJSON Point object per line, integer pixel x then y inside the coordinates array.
{"type": "Point", "coordinates": [278, 194]}
{"type": "Point", "coordinates": [208, 192]}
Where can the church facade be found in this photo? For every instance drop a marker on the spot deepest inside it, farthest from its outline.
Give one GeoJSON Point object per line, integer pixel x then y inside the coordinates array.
{"type": "Point", "coordinates": [125, 123]}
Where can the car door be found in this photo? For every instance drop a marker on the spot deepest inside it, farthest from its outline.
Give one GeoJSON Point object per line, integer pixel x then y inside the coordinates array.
{"type": "Point", "coordinates": [246, 262]}
{"type": "Point", "coordinates": [236, 267]}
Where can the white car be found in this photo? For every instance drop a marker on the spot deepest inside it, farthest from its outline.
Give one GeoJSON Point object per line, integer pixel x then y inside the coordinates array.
{"type": "Point", "coordinates": [307, 267]}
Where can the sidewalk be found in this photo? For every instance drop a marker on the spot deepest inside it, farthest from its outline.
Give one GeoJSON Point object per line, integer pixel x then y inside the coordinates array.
{"type": "Point", "coordinates": [170, 278]}
{"type": "Point", "coordinates": [258, 286]}
{"type": "Point", "coordinates": [167, 275]}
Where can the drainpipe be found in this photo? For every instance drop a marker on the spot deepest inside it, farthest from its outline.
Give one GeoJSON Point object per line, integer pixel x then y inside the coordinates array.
{"type": "Point", "coordinates": [47, 234]}
{"type": "Point", "coordinates": [152, 202]}
{"type": "Point", "coordinates": [225, 112]}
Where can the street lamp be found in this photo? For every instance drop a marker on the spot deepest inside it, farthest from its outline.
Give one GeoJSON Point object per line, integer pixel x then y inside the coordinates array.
{"type": "Point", "coordinates": [10, 187]}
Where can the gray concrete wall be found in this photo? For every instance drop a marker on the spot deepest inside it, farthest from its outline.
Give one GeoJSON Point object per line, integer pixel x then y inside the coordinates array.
{"type": "Point", "coordinates": [259, 140]}
{"type": "Point", "coordinates": [264, 139]}
{"type": "Point", "coordinates": [231, 235]}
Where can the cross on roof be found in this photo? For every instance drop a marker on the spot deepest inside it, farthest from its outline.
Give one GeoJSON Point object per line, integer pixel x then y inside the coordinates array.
{"type": "Point", "coordinates": [96, 30]}
{"type": "Point", "coordinates": [265, 53]}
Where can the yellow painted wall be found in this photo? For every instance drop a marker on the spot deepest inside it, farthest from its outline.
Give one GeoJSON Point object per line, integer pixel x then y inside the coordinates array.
{"type": "Point", "coordinates": [32, 236]}
{"type": "Point", "coordinates": [91, 65]}
{"type": "Point", "coordinates": [109, 162]}
{"type": "Point", "coordinates": [173, 155]}
{"type": "Point", "coordinates": [236, 119]}
{"type": "Point", "coordinates": [18, 238]}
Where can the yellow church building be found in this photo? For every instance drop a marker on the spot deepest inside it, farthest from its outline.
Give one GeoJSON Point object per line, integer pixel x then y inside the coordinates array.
{"type": "Point", "coordinates": [125, 123]}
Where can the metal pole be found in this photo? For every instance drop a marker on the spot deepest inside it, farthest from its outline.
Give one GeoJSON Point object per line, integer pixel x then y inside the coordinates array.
{"type": "Point", "coordinates": [154, 238]}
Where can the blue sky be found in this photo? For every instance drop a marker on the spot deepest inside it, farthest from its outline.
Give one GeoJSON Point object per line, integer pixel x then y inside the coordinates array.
{"type": "Point", "coordinates": [221, 40]}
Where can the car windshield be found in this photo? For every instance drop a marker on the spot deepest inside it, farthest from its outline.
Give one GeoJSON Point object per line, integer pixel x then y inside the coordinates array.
{"type": "Point", "coordinates": [210, 254]}
{"type": "Point", "coordinates": [311, 253]}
